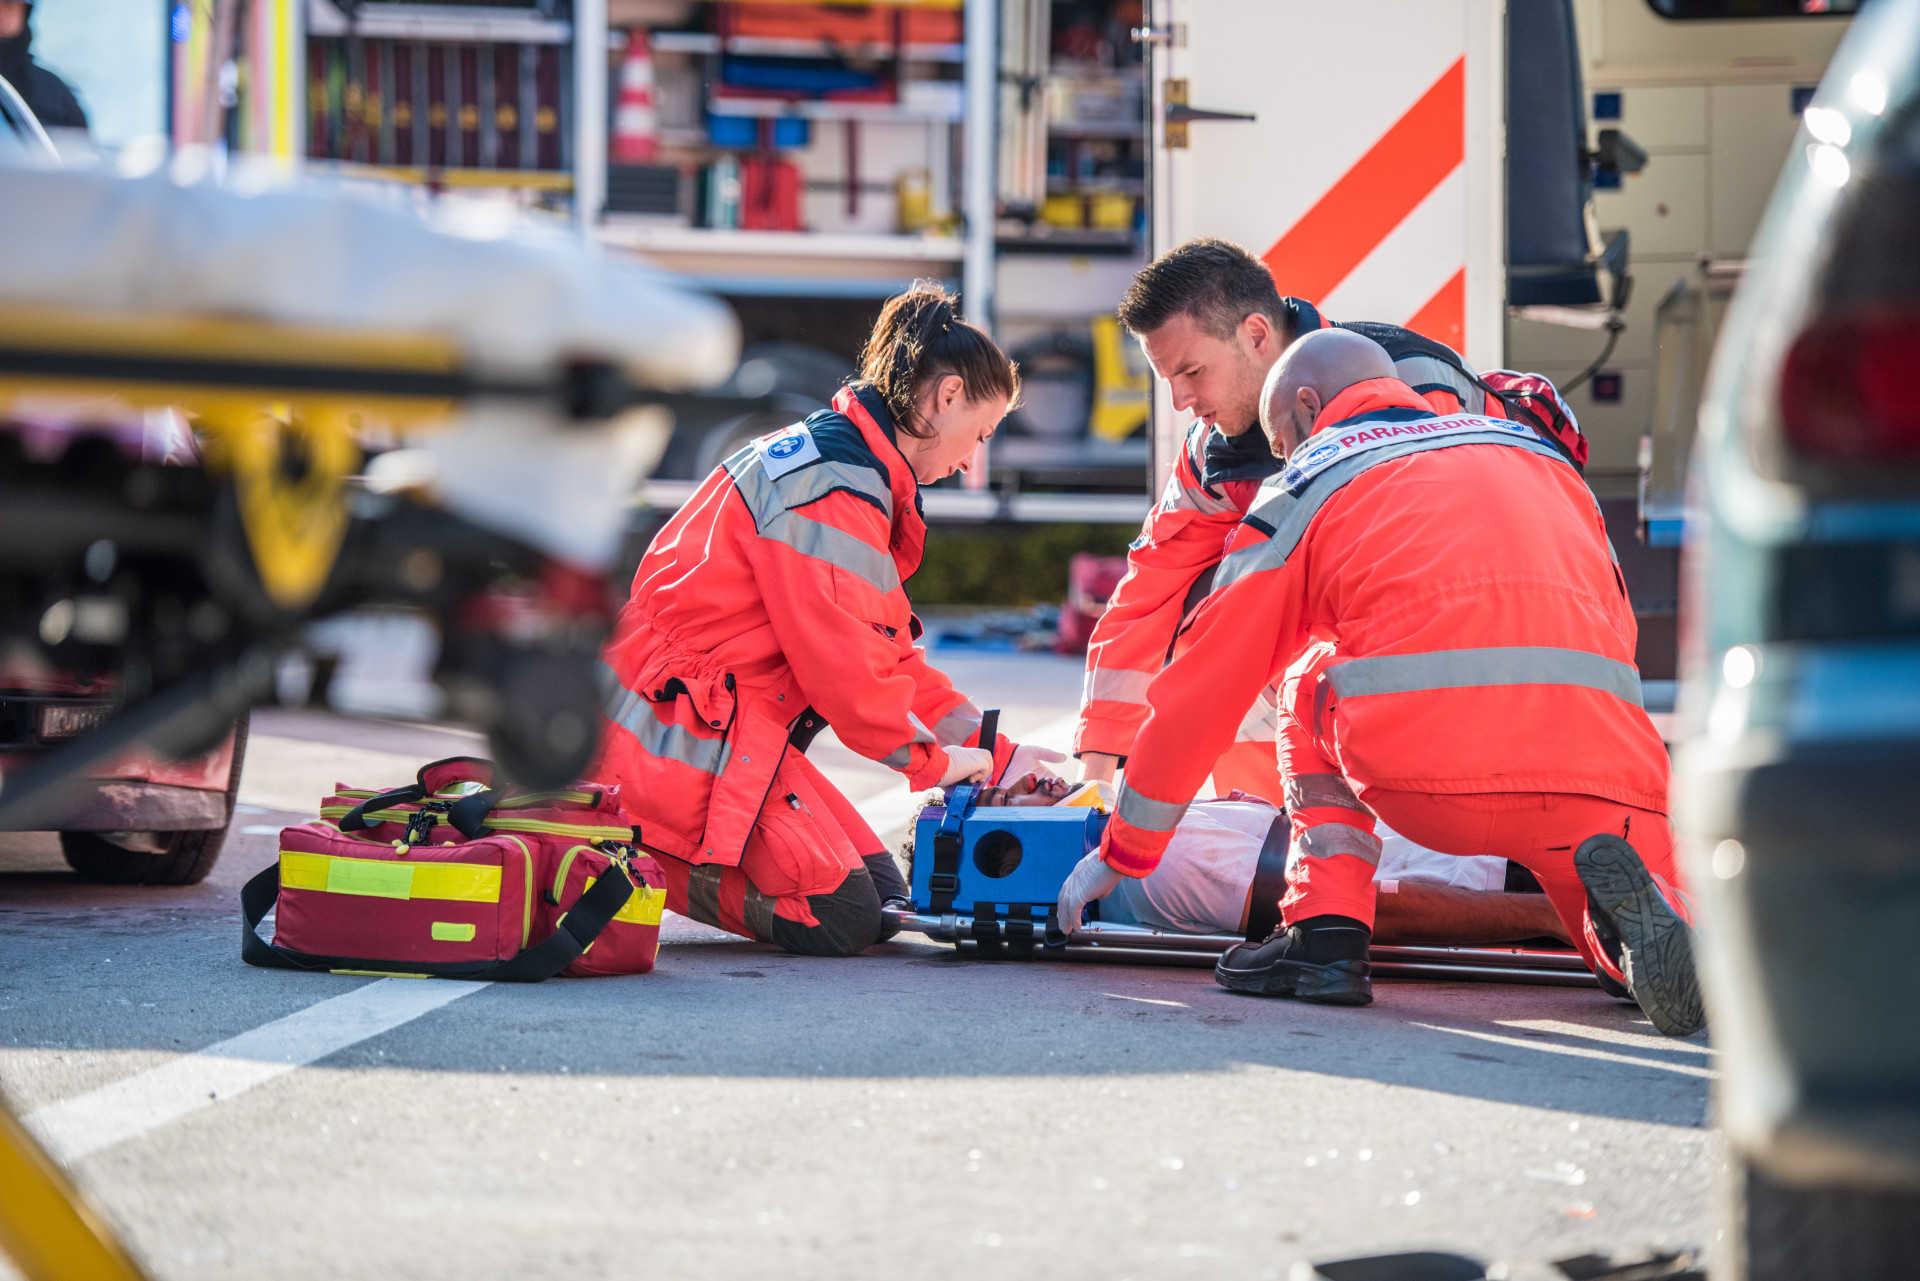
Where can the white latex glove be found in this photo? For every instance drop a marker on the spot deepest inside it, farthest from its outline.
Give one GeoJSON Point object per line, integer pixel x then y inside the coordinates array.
{"type": "Point", "coordinates": [1091, 879]}
{"type": "Point", "coordinates": [967, 765]}
{"type": "Point", "coordinates": [1031, 758]}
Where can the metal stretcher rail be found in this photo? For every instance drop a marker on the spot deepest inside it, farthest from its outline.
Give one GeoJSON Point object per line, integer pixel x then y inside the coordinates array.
{"type": "Point", "coordinates": [1142, 945]}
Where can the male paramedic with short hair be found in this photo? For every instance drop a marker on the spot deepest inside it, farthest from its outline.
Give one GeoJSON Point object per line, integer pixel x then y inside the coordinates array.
{"type": "Point", "coordinates": [1212, 325]}
{"type": "Point", "coordinates": [1457, 652]}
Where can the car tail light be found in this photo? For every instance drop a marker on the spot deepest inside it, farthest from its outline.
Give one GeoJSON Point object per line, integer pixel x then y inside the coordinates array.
{"type": "Point", "coordinates": [1850, 387]}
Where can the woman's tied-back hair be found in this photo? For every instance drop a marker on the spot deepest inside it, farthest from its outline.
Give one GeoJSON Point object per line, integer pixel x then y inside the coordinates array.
{"type": "Point", "coordinates": [920, 339]}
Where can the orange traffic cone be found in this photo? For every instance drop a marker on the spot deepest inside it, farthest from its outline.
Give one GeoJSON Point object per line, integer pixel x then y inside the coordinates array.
{"type": "Point", "coordinates": [636, 125]}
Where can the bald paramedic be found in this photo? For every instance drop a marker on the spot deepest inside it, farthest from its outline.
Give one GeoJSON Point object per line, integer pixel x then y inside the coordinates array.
{"type": "Point", "coordinates": [1435, 597]}
{"type": "Point", "coordinates": [1212, 324]}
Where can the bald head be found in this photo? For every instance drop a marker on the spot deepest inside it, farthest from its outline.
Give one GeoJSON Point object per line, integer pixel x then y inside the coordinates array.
{"type": "Point", "coordinates": [1311, 372]}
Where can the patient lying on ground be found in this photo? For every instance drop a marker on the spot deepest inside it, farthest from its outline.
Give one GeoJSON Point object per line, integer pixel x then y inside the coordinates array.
{"type": "Point", "coordinates": [1204, 884]}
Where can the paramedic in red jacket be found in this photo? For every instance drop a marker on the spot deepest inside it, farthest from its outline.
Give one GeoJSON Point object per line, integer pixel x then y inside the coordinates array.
{"type": "Point", "coordinates": [1457, 647]}
{"type": "Point", "coordinates": [1213, 324]}
{"type": "Point", "coordinates": [771, 606]}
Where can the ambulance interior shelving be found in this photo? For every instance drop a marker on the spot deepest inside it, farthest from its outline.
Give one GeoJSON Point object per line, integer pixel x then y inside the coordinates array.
{"type": "Point", "coordinates": [804, 161]}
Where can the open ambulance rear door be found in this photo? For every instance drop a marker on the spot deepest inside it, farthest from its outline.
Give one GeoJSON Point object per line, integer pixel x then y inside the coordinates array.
{"type": "Point", "coordinates": [1354, 145]}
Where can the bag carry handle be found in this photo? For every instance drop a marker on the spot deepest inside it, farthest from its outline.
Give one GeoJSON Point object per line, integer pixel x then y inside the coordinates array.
{"type": "Point", "coordinates": [468, 815]}
{"type": "Point", "coordinates": [582, 924]}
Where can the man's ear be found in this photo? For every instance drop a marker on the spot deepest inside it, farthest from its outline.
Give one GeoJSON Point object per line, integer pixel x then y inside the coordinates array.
{"type": "Point", "coordinates": [1261, 335]}
{"type": "Point", "coordinates": [1311, 403]}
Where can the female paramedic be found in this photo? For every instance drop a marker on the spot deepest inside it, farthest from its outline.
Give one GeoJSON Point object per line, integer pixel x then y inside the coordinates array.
{"type": "Point", "coordinates": [770, 607]}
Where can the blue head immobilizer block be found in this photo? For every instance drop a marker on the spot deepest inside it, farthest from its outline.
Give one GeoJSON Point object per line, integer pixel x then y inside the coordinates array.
{"type": "Point", "coordinates": [1007, 862]}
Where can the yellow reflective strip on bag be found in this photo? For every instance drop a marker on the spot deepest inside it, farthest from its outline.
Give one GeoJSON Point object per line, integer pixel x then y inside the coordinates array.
{"type": "Point", "coordinates": [390, 878]}
{"type": "Point", "coordinates": [303, 871]}
{"type": "Point", "coordinates": [453, 932]}
{"type": "Point", "coordinates": [566, 865]}
{"type": "Point", "coordinates": [642, 906]}
{"type": "Point", "coordinates": [371, 877]}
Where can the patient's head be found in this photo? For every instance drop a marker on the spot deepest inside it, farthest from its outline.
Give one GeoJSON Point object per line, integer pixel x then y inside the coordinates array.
{"type": "Point", "coordinates": [1030, 789]}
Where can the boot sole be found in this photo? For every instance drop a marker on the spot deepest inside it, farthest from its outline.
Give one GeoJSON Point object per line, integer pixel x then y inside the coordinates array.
{"type": "Point", "coordinates": [1341, 983]}
{"type": "Point", "coordinates": [1656, 945]}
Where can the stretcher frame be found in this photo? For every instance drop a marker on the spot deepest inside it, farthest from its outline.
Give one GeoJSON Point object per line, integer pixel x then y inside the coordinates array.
{"type": "Point", "coordinates": [1142, 945]}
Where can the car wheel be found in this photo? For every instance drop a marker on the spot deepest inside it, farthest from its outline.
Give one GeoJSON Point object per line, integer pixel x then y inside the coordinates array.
{"type": "Point", "coordinates": [1779, 1232]}
{"type": "Point", "coordinates": [182, 858]}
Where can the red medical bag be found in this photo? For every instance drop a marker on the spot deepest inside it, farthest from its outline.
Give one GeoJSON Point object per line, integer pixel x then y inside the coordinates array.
{"type": "Point", "coordinates": [518, 887]}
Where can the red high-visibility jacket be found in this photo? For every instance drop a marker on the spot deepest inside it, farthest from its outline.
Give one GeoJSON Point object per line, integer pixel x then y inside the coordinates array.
{"type": "Point", "coordinates": [1484, 637]}
{"type": "Point", "coordinates": [770, 606]}
{"type": "Point", "coordinates": [1212, 483]}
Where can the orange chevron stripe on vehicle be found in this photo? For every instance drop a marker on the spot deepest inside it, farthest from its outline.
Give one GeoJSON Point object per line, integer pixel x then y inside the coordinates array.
{"type": "Point", "coordinates": [1444, 317]}
{"type": "Point", "coordinates": [1377, 193]}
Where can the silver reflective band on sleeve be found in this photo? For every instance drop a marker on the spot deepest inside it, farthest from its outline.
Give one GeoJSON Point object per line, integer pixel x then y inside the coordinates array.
{"type": "Point", "coordinates": [634, 713]}
{"type": "Point", "coordinates": [958, 726]}
{"type": "Point", "coordinates": [899, 758]}
{"type": "Point", "coordinates": [1148, 814]}
{"type": "Point", "coordinates": [772, 505]}
{"type": "Point", "coordinates": [835, 546]}
{"type": "Point", "coordinates": [1425, 371]}
{"type": "Point", "coordinates": [1115, 685]}
{"type": "Point", "coordinates": [921, 734]}
{"type": "Point", "coordinates": [1311, 791]}
{"type": "Point", "coordinates": [1504, 665]}
{"type": "Point", "coordinates": [1261, 724]}
{"type": "Point", "coordinates": [1330, 840]}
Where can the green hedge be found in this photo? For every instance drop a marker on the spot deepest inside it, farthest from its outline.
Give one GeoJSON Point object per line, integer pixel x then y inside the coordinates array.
{"type": "Point", "coordinates": [1007, 564]}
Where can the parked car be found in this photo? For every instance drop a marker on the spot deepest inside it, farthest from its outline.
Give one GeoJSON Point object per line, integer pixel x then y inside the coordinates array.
{"type": "Point", "coordinates": [1797, 781]}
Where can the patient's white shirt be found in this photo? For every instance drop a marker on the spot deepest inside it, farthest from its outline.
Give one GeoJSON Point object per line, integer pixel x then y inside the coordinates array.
{"type": "Point", "coordinates": [1201, 884]}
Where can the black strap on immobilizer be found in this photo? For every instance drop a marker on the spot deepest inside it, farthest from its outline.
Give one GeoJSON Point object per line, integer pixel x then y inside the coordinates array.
{"type": "Point", "coordinates": [578, 929]}
{"type": "Point", "coordinates": [944, 882]}
{"type": "Point", "coordinates": [1269, 880]}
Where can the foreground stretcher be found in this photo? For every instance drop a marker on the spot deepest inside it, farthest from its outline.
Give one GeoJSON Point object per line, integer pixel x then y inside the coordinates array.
{"type": "Point", "coordinates": [986, 880]}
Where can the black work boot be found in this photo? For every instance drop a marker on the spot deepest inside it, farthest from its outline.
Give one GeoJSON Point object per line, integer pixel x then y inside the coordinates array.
{"type": "Point", "coordinates": [1321, 959]}
{"type": "Point", "coordinates": [1655, 946]}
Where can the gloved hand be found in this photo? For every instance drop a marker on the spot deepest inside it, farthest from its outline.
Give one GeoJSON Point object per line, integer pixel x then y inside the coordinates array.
{"type": "Point", "coordinates": [1031, 758]}
{"type": "Point", "coordinates": [1091, 879]}
{"type": "Point", "coordinates": [967, 765]}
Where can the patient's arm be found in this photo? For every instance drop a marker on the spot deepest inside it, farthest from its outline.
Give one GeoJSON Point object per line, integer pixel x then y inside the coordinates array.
{"type": "Point", "coordinates": [1426, 912]}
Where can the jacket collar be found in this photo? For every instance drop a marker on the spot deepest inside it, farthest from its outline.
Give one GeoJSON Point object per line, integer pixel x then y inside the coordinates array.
{"type": "Point", "coordinates": [865, 409]}
{"type": "Point", "coordinates": [1368, 399]}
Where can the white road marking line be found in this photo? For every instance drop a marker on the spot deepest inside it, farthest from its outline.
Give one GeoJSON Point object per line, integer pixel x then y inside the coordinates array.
{"type": "Point", "coordinates": [1575, 1051]}
{"type": "Point", "coordinates": [86, 1123]}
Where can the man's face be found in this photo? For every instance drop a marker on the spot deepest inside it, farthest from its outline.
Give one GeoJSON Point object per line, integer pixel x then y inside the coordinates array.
{"type": "Point", "coordinates": [1218, 379]}
{"type": "Point", "coordinates": [13, 18]}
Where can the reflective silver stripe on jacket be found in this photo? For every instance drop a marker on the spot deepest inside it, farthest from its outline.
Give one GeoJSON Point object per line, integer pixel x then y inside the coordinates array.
{"type": "Point", "coordinates": [900, 757]}
{"type": "Point", "coordinates": [1115, 685]}
{"type": "Point", "coordinates": [1261, 724]}
{"type": "Point", "coordinates": [1329, 840]}
{"type": "Point", "coordinates": [958, 727]}
{"type": "Point", "coordinates": [1194, 498]}
{"type": "Point", "coordinates": [1289, 515]}
{"type": "Point", "coordinates": [1313, 791]}
{"type": "Point", "coordinates": [1148, 814]}
{"type": "Point", "coordinates": [1419, 371]}
{"type": "Point", "coordinates": [1499, 665]}
{"type": "Point", "coordinates": [635, 714]}
{"type": "Point", "coordinates": [772, 504]}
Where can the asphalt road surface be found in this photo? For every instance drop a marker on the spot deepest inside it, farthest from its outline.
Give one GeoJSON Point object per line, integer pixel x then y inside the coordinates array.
{"type": "Point", "coordinates": [744, 1113]}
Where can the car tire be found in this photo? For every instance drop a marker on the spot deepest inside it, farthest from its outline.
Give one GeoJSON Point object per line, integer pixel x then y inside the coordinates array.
{"type": "Point", "coordinates": [186, 859]}
{"type": "Point", "coordinates": [1779, 1232]}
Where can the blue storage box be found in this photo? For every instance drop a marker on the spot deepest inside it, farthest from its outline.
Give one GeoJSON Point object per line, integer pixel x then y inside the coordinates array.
{"type": "Point", "coordinates": [742, 133]}
{"type": "Point", "coordinates": [1005, 861]}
